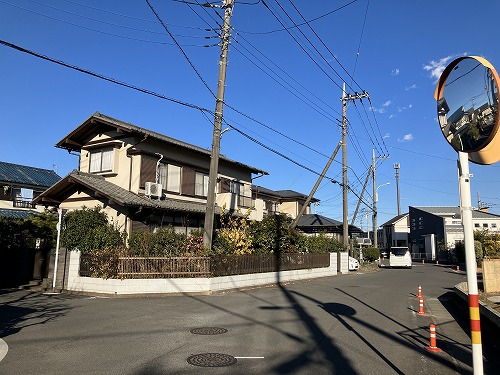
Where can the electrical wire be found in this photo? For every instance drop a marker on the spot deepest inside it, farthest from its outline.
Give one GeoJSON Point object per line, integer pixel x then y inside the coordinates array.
{"type": "Point", "coordinates": [181, 49]}
{"type": "Point", "coordinates": [300, 24]}
{"type": "Point", "coordinates": [112, 80]}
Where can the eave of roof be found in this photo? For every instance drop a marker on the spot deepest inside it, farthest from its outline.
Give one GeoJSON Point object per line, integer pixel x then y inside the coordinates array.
{"type": "Point", "coordinates": [74, 140]}
{"type": "Point", "coordinates": [73, 181]}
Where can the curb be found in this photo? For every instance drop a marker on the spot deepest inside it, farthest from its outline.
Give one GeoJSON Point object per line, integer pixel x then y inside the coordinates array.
{"type": "Point", "coordinates": [486, 312]}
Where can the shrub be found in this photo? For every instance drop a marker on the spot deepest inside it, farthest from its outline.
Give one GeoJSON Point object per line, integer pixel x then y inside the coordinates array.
{"type": "Point", "coordinates": [273, 234]}
{"type": "Point", "coordinates": [371, 254]}
{"type": "Point", "coordinates": [321, 244]}
{"type": "Point", "coordinates": [88, 229]}
{"type": "Point", "coordinates": [166, 242]}
{"type": "Point", "coordinates": [234, 236]}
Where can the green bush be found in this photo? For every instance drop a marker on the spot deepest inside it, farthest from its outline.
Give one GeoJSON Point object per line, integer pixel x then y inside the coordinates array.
{"type": "Point", "coordinates": [321, 244]}
{"type": "Point", "coordinates": [166, 242]}
{"type": "Point", "coordinates": [370, 254]}
{"type": "Point", "coordinates": [88, 229]}
{"type": "Point", "coordinates": [15, 232]}
{"type": "Point", "coordinates": [273, 234]}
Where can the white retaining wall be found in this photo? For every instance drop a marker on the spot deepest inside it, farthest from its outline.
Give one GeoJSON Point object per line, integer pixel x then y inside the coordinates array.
{"type": "Point", "coordinates": [192, 285]}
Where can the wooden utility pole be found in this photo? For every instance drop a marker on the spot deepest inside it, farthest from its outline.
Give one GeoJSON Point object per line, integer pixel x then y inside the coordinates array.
{"type": "Point", "coordinates": [219, 106]}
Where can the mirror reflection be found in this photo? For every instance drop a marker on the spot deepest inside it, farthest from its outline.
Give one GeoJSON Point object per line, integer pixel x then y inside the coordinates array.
{"type": "Point", "coordinates": [468, 108]}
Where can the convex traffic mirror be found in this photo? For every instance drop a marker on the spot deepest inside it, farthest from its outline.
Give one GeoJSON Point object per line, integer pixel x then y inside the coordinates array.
{"type": "Point", "coordinates": [467, 107]}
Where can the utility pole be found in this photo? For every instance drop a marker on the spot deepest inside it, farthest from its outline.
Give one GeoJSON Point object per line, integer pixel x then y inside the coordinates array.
{"type": "Point", "coordinates": [374, 213]}
{"type": "Point", "coordinates": [227, 5]}
{"type": "Point", "coordinates": [311, 194]}
{"type": "Point", "coordinates": [396, 167]}
{"type": "Point", "coordinates": [375, 195]}
{"type": "Point", "coordinates": [345, 98]}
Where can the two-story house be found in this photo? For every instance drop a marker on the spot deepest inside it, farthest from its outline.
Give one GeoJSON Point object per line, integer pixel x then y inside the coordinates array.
{"type": "Point", "coordinates": [289, 202]}
{"type": "Point", "coordinates": [19, 186]}
{"type": "Point", "coordinates": [143, 179]}
{"type": "Point", "coordinates": [434, 226]}
{"type": "Point", "coordinates": [396, 232]}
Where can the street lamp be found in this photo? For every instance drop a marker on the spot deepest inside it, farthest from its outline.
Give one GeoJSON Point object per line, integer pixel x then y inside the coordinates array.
{"type": "Point", "coordinates": [375, 199]}
{"type": "Point", "coordinates": [376, 192]}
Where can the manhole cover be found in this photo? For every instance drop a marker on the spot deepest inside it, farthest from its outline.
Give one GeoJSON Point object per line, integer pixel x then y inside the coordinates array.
{"type": "Point", "coordinates": [211, 360]}
{"type": "Point", "coordinates": [208, 331]}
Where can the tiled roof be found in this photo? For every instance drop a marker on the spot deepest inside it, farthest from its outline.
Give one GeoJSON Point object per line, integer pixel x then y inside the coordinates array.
{"type": "Point", "coordinates": [317, 220]}
{"type": "Point", "coordinates": [24, 175]}
{"type": "Point", "coordinates": [74, 140]}
{"type": "Point", "coordinates": [455, 211]}
{"type": "Point", "coordinates": [286, 194]}
{"type": "Point", "coordinates": [116, 194]}
{"type": "Point", "coordinates": [16, 214]}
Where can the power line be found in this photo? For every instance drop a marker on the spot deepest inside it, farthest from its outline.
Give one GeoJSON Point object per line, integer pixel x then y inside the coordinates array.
{"type": "Point", "coordinates": [112, 80]}
{"type": "Point", "coordinates": [298, 25]}
{"type": "Point", "coordinates": [95, 30]}
{"type": "Point", "coordinates": [180, 48]}
{"type": "Point", "coordinates": [324, 45]}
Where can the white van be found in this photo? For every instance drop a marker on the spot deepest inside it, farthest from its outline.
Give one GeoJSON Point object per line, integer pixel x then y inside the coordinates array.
{"type": "Point", "coordinates": [399, 256]}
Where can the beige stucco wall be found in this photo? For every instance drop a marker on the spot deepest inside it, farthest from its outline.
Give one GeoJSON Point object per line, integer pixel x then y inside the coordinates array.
{"type": "Point", "coordinates": [491, 275]}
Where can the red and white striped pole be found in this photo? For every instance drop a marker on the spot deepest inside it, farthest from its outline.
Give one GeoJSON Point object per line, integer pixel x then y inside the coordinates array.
{"type": "Point", "coordinates": [419, 295]}
{"type": "Point", "coordinates": [421, 306]}
{"type": "Point", "coordinates": [432, 341]}
{"type": "Point", "coordinates": [470, 262]}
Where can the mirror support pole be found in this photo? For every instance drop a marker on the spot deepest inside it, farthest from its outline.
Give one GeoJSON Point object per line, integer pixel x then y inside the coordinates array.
{"type": "Point", "coordinates": [470, 261]}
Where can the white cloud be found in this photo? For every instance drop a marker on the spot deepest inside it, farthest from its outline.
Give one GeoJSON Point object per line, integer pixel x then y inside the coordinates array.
{"type": "Point", "coordinates": [412, 87]}
{"type": "Point", "coordinates": [386, 104]}
{"type": "Point", "coordinates": [406, 138]}
{"type": "Point", "coordinates": [387, 135]}
{"type": "Point", "coordinates": [392, 116]}
{"type": "Point", "coordinates": [395, 72]}
{"type": "Point", "coordinates": [436, 67]}
{"type": "Point", "coordinates": [378, 110]}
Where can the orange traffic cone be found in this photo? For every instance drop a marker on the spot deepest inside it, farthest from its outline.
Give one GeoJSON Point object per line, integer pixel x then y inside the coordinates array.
{"type": "Point", "coordinates": [432, 345]}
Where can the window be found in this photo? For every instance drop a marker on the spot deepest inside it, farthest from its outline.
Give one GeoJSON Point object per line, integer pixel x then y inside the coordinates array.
{"type": "Point", "coordinates": [174, 178]}
{"type": "Point", "coordinates": [26, 195]}
{"type": "Point", "coordinates": [101, 161]}
{"type": "Point", "coordinates": [246, 196]}
{"type": "Point", "coordinates": [485, 225]}
{"type": "Point", "coordinates": [493, 225]}
{"type": "Point", "coordinates": [170, 177]}
{"type": "Point", "coordinates": [201, 184]}
{"type": "Point", "coordinates": [476, 225]}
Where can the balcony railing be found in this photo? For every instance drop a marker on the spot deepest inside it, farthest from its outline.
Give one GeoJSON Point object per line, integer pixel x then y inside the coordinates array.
{"type": "Point", "coordinates": [23, 204]}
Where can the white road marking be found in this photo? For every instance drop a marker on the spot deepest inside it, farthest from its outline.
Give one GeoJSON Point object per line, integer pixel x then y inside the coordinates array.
{"type": "Point", "coordinates": [249, 357]}
{"type": "Point", "coordinates": [4, 348]}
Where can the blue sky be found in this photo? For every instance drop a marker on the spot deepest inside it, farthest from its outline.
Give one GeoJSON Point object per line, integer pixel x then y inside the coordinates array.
{"type": "Point", "coordinates": [394, 50]}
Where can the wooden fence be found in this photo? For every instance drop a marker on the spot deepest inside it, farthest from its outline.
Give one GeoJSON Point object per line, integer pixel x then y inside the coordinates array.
{"type": "Point", "coordinates": [178, 267]}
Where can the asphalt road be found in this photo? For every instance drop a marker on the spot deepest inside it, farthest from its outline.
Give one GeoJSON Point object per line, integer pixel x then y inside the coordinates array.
{"type": "Point", "coordinates": [350, 324]}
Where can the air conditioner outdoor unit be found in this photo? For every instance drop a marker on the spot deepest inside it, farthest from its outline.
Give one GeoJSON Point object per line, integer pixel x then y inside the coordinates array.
{"type": "Point", "coordinates": [153, 189]}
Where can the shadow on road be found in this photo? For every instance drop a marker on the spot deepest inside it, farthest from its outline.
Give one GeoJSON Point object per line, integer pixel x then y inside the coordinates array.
{"type": "Point", "coordinates": [26, 309]}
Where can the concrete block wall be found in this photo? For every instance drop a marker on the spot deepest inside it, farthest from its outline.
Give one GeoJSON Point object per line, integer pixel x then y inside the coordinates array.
{"type": "Point", "coordinates": [78, 283]}
{"type": "Point", "coordinates": [491, 275]}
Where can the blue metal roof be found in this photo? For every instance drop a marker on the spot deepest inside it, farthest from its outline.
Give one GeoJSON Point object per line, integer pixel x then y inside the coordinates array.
{"type": "Point", "coordinates": [17, 214]}
{"type": "Point", "coordinates": [24, 175]}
